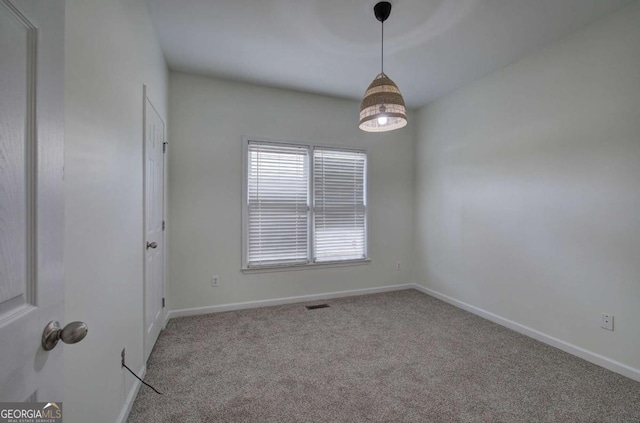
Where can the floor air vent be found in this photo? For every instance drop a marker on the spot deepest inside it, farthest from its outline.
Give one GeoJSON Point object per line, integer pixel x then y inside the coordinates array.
{"type": "Point", "coordinates": [313, 307]}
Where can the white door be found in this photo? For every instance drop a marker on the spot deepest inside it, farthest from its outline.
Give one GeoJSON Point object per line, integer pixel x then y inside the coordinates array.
{"type": "Point", "coordinates": [31, 197]}
{"type": "Point", "coordinates": [154, 224]}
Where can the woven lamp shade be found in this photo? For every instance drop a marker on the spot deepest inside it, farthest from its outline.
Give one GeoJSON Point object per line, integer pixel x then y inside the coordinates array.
{"type": "Point", "coordinates": [382, 100]}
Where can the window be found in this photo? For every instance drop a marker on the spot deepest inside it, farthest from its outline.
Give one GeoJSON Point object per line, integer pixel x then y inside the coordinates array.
{"type": "Point", "coordinates": [339, 206]}
{"type": "Point", "coordinates": [303, 205]}
{"type": "Point", "coordinates": [277, 204]}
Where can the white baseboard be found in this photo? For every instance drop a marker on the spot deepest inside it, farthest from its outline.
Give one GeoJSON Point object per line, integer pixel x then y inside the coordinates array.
{"type": "Point", "coordinates": [287, 300]}
{"type": "Point", "coordinates": [602, 361]}
{"type": "Point", "coordinates": [133, 393]}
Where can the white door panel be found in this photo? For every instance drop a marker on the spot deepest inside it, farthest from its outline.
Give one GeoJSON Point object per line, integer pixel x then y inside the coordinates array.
{"type": "Point", "coordinates": [31, 196]}
{"type": "Point", "coordinates": [154, 216]}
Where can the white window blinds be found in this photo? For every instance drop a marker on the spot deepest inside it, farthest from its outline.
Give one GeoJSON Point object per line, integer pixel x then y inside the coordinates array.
{"type": "Point", "coordinates": [339, 205]}
{"type": "Point", "coordinates": [277, 204]}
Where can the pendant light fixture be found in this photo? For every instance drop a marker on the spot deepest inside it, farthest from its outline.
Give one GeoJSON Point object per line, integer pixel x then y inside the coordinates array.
{"type": "Point", "coordinates": [382, 108]}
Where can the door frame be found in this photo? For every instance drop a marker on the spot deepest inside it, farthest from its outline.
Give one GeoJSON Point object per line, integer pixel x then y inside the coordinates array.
{"type": "Point", "coordinates": [164, 314]}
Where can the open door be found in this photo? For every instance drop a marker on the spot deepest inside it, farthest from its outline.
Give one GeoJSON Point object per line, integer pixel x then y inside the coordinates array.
{"type": "Point", "coordinates": [31, 200]}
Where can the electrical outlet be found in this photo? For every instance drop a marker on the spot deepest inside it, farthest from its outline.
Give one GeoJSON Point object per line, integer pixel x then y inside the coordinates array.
{"type": "Point", "coordinates": [215, 280]}
{"type": "Point", "coordinates": [122, 362]}
{"type": "Point", "coordinates": [607, 321]}
{"type": "Point", "coordinates": [398, 266]}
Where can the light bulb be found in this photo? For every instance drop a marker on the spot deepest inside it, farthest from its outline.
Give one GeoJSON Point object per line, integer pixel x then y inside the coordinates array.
{"type": "Point", "coordinates": [382, 120]}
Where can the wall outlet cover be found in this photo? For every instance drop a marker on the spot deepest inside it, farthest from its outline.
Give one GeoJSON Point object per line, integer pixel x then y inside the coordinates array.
{"type": "Point", "coordinates": [606, 321]}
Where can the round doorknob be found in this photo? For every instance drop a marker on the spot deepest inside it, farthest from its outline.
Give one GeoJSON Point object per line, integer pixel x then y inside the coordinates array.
{"type": "Point", "coordinates": [152, 245]}
{"type": "Point", "coordinates": [72, 333]}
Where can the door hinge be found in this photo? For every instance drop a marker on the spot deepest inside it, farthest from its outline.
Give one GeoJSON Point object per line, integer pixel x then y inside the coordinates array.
{"type": "Point", "coordinates": [163, 225]}
{"type": "Point", "coordinates": [162, 302]}
{"type": "Point", "coordinates": [164, 147]}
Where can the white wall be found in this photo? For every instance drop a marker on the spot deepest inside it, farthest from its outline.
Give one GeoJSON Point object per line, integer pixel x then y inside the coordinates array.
{"type": "Point", "coordinates": [111, 52]}
{"type": "Point", "coordinates": [208, 119]}
{"type": "Point", "coordinates": [527, 190]}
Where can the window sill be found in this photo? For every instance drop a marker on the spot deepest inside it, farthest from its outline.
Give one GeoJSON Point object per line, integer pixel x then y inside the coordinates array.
{"type": "Point", "coordinates": [306, 266]}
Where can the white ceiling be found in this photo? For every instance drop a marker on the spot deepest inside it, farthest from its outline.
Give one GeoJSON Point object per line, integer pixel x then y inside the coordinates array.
{"type": "Point", "coordinates": [332, 47]}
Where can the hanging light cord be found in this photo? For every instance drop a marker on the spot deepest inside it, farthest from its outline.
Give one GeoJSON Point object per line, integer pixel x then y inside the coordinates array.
{"type": "Point", "coordinates": [382, 50]}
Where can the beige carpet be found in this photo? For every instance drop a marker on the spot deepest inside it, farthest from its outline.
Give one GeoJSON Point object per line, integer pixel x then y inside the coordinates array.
{"type": "Point", "coordinates": [394, 357]}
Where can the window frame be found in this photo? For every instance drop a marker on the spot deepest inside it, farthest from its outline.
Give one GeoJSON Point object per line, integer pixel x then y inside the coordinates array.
{"type": "Point", "coordinates": [310, 264]}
